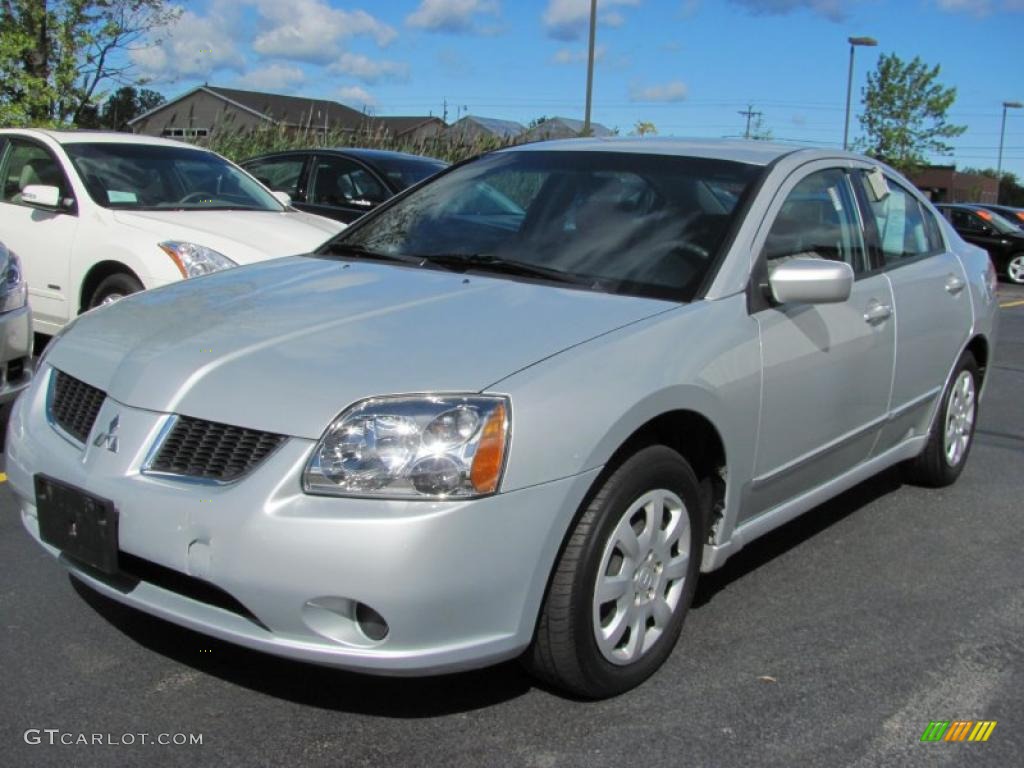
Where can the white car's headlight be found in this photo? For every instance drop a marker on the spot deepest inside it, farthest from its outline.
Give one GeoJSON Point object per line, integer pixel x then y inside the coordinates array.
{"type": "Point", "coordinates": [419, 447]}
{"type": "Point", "coordinates": [13, 289]}
{"type": "Point", "coordinates": [195, 260]}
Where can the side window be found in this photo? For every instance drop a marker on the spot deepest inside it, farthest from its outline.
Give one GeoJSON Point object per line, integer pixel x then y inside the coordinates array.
{"type": "Point", "coordinates": [338, 181]}
{"type": "Point", "coordinates": [29, 163]}
{"type": "Point", "coordinates": [818, 220]}
{"type": "Point", "coordinates": [900, 223]}
{"type": "Point", "coordinates": [280, 174]}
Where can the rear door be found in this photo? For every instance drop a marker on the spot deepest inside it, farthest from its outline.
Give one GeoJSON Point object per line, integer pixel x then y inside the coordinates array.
{"type": "Point", "coordinates": [42, 239]}
{"type": "Point", "coordinates": [932, 303]}
{"type": "Point", "coordinates": [827, 367]}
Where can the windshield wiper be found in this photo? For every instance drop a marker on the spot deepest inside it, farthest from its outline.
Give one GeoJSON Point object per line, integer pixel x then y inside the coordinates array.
{"type": "Point", "coordinates": [461, 262]}
{"type": "Point", "coordinates": [348, 249]}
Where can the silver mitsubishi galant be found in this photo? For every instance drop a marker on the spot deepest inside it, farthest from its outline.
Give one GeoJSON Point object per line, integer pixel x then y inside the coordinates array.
{"type": "Point", "coordinates": [515, 411]}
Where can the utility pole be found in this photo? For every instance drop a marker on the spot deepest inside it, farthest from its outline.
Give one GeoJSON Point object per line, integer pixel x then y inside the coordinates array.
{"type": "Point", "coordinates": [444, 116]}
{"type": "Point", "coordinates": [749, 113]}
{"type": "Point", "coordinates": [590, 67]}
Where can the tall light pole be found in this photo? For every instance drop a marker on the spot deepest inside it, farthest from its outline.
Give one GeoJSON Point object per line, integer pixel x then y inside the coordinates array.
{"type": "Point", "coordinates": [854, 42]}
{"type": "Point", "coordinates": [1002, 132]}
{"type": "Point", "coordinates": [590, 66]}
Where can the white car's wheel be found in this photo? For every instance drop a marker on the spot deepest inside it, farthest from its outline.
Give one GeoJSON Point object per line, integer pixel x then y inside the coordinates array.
{"type": "Point", "coordinates": [114, 288]}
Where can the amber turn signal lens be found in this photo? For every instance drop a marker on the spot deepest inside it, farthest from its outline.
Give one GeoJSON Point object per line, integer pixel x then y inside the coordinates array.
{"type": "Point", "coordinates": [490, 453]}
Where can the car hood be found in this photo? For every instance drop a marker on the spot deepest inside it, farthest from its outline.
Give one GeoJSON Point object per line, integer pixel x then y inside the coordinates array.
{"type": "Point", "coordinates": [284, 346]}
{"type": "Point", "coordinates": [243, 236]}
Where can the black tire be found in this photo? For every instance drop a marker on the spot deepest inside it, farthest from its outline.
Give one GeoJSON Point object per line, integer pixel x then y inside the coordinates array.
{"type": "Point", "coordinates": [932, 468]}
{"type": "Point", "coordinates": [565, 651]}
{"type": "Point", "coordinates": [117, 285]}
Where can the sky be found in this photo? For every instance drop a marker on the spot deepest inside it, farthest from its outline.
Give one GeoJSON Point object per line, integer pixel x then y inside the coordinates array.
{"type": "Point", "coordinates": [688, 66]}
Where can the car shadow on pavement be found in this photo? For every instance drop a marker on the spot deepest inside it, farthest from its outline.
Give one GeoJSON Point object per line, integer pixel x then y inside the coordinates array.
{"type": "Point", "coordinates": [311, 684]}
{"type": "Point", "coordinates": [794, 533]}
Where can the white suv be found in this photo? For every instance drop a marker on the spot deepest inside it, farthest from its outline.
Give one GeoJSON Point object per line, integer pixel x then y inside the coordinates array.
{"type": "Point", "coordinates": [95, 216]}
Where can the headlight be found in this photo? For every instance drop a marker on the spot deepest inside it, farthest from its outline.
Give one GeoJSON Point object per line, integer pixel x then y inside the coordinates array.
{"type": "Point", "coordinates": [445, 446]}
{"type": "Point", "coordinates": [13, 290]}
{"type": "Point", "coordinates": [195, 260]}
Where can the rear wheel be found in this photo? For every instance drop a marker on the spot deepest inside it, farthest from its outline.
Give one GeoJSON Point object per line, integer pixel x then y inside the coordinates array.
{"type": "Point", "coordinates": [1015, 268]}
{"type": "Point", "coordinates": [114, 288]}
{"type": "Point", "coordinates": [620, 591]}
{"type": "Point", "coordinates": [949, 443]}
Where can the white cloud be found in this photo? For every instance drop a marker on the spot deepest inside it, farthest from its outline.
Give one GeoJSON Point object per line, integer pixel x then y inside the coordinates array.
{"type": "Point", "coordinates": [451, 15]}
{"type": "Point", "coordinates": [276, 78]}
{"type": "Point", "coordinates": [830, 9]}
{"type": "Point", "coordinates": [311, 30]}
{"type": "Point", "coordinates": [356, 97]}
{"type": "Point", "coordinates": [571, 56]}
{"type": "Point", "coordinates": [369, 70]}
{"type": "Point", "coordinates": [193, 47]}
{"type": "Point", "coordinates": [568, 19]}
{"type": "Point", "coordinates": [672, 91]}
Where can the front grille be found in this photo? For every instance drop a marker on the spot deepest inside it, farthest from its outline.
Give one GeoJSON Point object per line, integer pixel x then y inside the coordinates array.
{"type": "Point", "coordinates": [212, 451]}
{"type": "Point", "coordinates": [74, 405]}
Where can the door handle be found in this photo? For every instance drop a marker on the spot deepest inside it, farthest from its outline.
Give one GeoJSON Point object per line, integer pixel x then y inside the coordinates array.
{"type": "Point", "coordinates": [954, 284]}
{"type": "Point", "coordinates": [877, 312]}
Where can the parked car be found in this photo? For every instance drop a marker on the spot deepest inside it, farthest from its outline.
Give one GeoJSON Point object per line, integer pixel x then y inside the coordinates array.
{"type": "Point", "coordinates": [342, 183]}
{"type": "Point", "coordinates": [1011, 214]}
{"type": "Point", "coordinates": [1003, 239]}
{"type": "Point", "coordinates": [15, 328]}
{"type": "Point", "coordinates": [96, 216]}
{"type": "Point", "coordinates": [465, 431]}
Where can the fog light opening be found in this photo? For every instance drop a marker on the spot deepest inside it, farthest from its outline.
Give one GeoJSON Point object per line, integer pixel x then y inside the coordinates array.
{"type": "Point", "coordinates": [371, 623]}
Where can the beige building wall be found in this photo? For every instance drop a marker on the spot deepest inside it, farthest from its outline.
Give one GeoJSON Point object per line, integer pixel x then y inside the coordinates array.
{"type": "Point", "coordinates": [197, 112]}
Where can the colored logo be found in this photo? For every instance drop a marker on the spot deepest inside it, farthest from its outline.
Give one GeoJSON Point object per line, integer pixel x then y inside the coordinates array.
{"type": "Point", "coordinates": [958, 730]}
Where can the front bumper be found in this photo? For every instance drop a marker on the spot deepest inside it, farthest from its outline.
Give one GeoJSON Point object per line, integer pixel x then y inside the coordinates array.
{"type": "Point", "coordinates": [15, 353]}
{"type": "Point", "coordinates": [459, 583]}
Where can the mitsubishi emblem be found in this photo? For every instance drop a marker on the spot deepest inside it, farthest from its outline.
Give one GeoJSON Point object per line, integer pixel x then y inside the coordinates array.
{"type": "Point", "coordinates": [108, 438]}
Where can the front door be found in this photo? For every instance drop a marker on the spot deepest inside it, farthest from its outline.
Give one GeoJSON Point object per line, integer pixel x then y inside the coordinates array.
{"type": "Point", "coordinates": [342, 189]}
{"type": "Point", "coordinates": [42, 239]}
{"type": "Point", "coordinates": [827, 367]}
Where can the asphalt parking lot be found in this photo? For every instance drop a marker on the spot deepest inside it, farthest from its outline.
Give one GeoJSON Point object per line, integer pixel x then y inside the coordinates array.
{"type": "Point", "coordinates": [831, 642]}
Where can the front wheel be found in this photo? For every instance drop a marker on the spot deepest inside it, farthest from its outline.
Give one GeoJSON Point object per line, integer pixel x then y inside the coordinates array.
{"type": "Point", "coordinates": [623, 585]}
{"type": "Point", "coordinates": [114, 288]}
{"type": "Point", "coordinates": [1015, 268]}
{"type": "Point", "coordinates": [949, 442]}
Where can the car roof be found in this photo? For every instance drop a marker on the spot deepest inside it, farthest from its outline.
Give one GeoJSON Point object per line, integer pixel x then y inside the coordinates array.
{"type": "Point", "coordinates": [358, 152]}
{"type": "Point", "coordinates": [97, 137]}
{"type": "Point", "coordinates": [738, 150]}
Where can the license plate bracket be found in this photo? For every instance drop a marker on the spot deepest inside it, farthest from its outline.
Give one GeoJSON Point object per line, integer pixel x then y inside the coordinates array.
{"type": "Point", "coordinates": [81, 525]}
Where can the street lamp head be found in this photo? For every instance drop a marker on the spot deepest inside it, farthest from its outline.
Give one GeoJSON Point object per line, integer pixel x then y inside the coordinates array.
{"type": "Point", "coordinates": [868, 41]}
{"type": "Point", "coordinates": [1012, 105]}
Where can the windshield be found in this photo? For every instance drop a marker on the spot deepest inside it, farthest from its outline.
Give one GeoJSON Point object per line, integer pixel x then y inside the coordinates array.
{"type": "Point", "coordinates": [647, 225]}
{"type": "Point", "coordinates": [153, 177]}
{"type": "Point", "coordinates": [1002, 225]}
{"type": "Point", "coordinates": [402, 172]}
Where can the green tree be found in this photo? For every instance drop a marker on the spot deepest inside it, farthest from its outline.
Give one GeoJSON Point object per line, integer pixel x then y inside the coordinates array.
{"type": "Point", "coordinates": [55, 55]}
{"type": "Point", "coordinates": [126, 103]}
{"type": "Point", "coordinates": [905, 113]}
{"type": "Point", "coordinates": [644, 127]}
{"type": "Point", "coordinates": [1011, 191]}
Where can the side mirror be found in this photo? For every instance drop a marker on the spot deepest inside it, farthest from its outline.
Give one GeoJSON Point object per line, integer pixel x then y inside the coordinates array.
{"type": "Point", "coordinates": [810, 281]}
{"type": "Point", "coordinates": [41, 196]}
{"type": "Point", "coordinates": [283, 198]}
